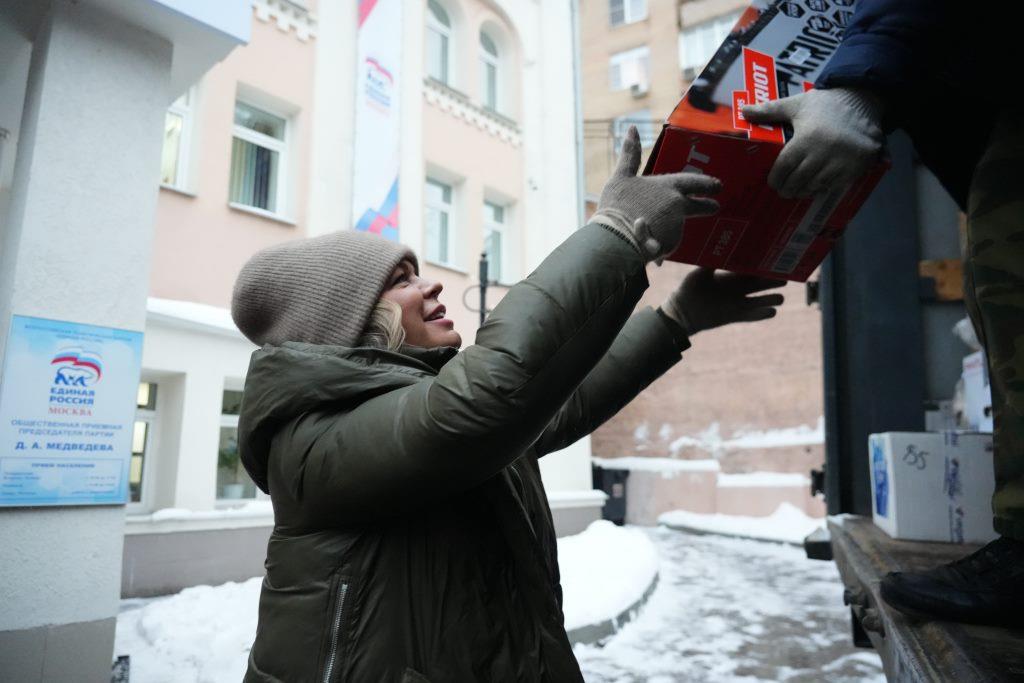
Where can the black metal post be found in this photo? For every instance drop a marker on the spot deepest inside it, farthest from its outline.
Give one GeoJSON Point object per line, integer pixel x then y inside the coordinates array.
{"type": "Point", "coordinates": [483, 287]}
{"type": "Point", "coordinates": [872, 335]}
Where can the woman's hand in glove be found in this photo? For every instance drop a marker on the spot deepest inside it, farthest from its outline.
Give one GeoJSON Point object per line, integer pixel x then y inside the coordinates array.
{"type": "Point", "coordinates": [707, 299]}
{"type": "Point", "coordinates": [649, 210]}
{"type": "Point", "coordinates": [837, 136]}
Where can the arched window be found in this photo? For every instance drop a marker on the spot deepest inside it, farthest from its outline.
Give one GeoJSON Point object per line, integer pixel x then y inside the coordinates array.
{"type": "Point", "coordinates": [488, 71]}
{"type": "Point", "coordinates": [439, 35]}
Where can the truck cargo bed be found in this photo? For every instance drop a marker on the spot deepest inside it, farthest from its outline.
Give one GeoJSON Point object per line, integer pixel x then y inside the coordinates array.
{"type": "Point", "coordinates": [914, 650]}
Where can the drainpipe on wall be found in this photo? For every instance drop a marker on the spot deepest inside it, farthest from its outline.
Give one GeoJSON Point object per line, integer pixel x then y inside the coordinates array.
{"type": "Point", "coordinates": [577, 86]}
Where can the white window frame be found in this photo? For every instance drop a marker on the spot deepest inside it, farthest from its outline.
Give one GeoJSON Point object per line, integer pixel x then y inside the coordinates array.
{"type": "Point", "coordinates": [232, 421]}
{"type": "Point", "coordinates": [281, 192]}
{"type": "Point", "coordinates": [449, 259]}
{"type": "Point", "coordinates": [621, 124]}
{"type": "Point", "coordinates": [710, 33]}
{"type": "Point", "coordinates": [151, 418]}
{"type": "Point", "coordinates": [447, 32]}
{"type": "Point", "coordinates": [487, 59]}
{"type": "Point", "coordinates": [629, 14]}
{"type": "Point", "coordinates": [502, 229]}
{"type": "Point", "coordinates": [183, 176]}
{"type": "Point", "coordinates": [637, 55]}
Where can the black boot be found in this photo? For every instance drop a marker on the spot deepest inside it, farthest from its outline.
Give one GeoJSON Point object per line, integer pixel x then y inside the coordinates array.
{"type": "Point", "coordinates": [986, 587]}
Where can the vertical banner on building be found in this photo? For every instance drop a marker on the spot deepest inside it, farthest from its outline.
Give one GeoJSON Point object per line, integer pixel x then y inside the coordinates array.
{"type": "Point", "coordinates": [67, 411]}
{"type": "Point", "coordinates": [376, 158]}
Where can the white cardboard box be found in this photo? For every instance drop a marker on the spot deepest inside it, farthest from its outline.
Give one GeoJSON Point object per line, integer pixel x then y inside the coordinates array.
{"type": "Point", "coordinates": [977, 393]}
{"type": "Point", "coordinates": [929, 486]}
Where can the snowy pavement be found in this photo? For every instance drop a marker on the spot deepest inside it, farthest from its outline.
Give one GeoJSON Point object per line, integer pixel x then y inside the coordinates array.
{"type": "Point", "coordinates": [787, 524]}
{"type": "Point", "coordinates": [734, 610]}
{"type": "Point", "coordinates": [724, 610]}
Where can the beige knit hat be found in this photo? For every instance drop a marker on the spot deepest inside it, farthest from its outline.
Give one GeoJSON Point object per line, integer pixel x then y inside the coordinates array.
{"type": "Point", "coordinates": [319, 290]}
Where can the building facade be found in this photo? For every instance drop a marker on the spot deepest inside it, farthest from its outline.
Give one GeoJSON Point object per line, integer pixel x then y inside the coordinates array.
{"type": "Point", "coordinates": [748, 396]}
{"type": "Point", "coordinates": [84, 88]}
{"type": "Point", "coordinates": [263, 149]}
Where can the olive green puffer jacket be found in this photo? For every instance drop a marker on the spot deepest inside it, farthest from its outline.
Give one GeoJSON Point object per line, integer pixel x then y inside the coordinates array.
{"type": "Point", "coordinates": [412, 536]}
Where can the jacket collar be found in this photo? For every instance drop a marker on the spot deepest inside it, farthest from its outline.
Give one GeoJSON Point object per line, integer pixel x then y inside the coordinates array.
{"type": "Point", "coordinates": [435, 358]}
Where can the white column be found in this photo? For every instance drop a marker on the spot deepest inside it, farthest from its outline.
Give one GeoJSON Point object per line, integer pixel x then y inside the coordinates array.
{"type": "Point", "coordinates": [76, 247]}
{"type": "Point", "coordinates": [330, 202]}
{"type": "Point", "coordinates": [196, 477]}
{"type": "Point", "coordinates": [552, 177]}
{"type": "Point", "coordinates": [411, 175]}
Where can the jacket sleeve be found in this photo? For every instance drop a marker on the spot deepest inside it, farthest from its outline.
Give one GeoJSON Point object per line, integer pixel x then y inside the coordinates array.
{"type": "Point", "coordinates": [645, 349]}
{"type": "Point", "coordinates": [490, 403]}
{"type": "Point", "coordinates": [884, 44]}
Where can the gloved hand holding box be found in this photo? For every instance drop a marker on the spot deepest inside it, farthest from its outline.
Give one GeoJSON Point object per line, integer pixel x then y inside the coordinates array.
{"type": "Point", "coordinates": [776, 49]}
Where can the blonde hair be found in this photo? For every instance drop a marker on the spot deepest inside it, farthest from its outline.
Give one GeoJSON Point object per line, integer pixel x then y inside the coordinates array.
{"type": "Point", "coordinates": [384, 329]}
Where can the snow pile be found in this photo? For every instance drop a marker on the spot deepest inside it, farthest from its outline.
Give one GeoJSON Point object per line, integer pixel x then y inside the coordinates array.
{"type": "Point", "coordinates": [189, 311]}
{"type": "Point", "coordinates": [255, 508]}
{"type": "Point", "coordinates": [201, 634]}
{"type": "Point", "coordinates": [760, 479]}
{"type": "Point", "coordinates": [712, 441]}
{"type": "Point", "coordinates": [664, 465]}
{"type": "Point", "coordinates": [605, 570]}
{"type": "Point", "coordinates": [787, 524]}
{"type": "Point", "coordinates": [204, 633]}
{"type": "Point", "coordinates": [777, 438]}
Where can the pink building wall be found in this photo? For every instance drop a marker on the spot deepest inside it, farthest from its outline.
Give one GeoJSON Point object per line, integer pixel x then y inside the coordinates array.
{"type": "Point", "coordinates": [200, 242]}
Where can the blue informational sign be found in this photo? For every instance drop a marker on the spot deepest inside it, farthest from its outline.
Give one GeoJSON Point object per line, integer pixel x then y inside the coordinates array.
{"type": "Point", "coordinates": [67, 411]}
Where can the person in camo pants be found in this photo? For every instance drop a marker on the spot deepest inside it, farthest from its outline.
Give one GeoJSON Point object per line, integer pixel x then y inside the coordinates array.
{"type": "Point", "coordinates": [939, 70]}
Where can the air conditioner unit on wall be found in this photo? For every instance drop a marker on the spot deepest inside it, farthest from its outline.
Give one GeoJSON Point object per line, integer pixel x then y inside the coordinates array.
{"type": "Point", "coordinates": [638, 90]}
{"type": "Point", "coordinates": [689, 73]}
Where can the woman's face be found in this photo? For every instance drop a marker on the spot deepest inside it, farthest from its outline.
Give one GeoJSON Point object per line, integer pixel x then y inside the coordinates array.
{"type": "Point", "coordinates": [423, 316]}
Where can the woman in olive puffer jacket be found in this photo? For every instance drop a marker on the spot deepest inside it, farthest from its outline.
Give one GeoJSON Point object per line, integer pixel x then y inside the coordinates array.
{"type": "Point", "coordinates": [412, 536]}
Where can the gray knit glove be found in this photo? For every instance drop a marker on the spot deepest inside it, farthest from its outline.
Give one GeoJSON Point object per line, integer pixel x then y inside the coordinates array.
{"type": "Point", "coordinates": [707, 299]}
{"type": "Point", "coordinates": [649, 210]}
{"type": "Point", "coordinates": [837, 136]}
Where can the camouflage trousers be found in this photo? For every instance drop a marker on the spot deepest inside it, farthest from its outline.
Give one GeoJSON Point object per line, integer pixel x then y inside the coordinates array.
{"type": "Point", "coordinates": [994, 294]}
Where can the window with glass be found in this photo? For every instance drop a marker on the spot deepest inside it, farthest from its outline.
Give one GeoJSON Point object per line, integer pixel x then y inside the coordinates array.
{"type": "Point", "coordinates": [629, 68]}
{"type": "Point", "coordinates": [258, 152]}
{"type": "Point", "coordinates": [494, 240]}
{"type": "Point", "coordinates": [233, 482]}
{"type": "Point", "coordinates": [439, 223]}
{"type": "Point", "coordinates": [647, 127]}
{"type": "Point", "coordinates": [626, 11]}
{"type": "Point", "coordinates": [488, 72]}
{"type": "Point", "coordinates": [697, 43]}
{"type": "Point", "coordinates": [177, 135]}
{"type": "Point", "coordinates": [439, 38]}
{"type": "Point", "coordinates": [142, 440]}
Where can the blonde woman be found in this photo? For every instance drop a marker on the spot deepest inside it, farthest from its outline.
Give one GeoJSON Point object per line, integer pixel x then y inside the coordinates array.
{"type": "Point", "coordinates": [413, 540]}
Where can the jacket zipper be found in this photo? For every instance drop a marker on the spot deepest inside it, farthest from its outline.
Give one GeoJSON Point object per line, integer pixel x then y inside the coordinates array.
{"type": "Point", "coordinates": [335, 627]}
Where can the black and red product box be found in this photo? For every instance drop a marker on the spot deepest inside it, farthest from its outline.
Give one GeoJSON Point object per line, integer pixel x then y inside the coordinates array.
{"type": "Point", "coordinates": [777, 48]}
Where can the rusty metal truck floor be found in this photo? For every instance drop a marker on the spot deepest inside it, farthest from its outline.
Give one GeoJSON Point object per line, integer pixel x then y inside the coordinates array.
{"type": "Point", "coordinates": [917, 650]}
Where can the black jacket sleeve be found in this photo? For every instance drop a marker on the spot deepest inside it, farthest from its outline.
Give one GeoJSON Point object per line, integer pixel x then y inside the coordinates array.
{"type": "Point", "coordinates": [887, 45]}
{"type": "Point", "coordinates": [489, 404]}
{"type": "Point", "coordinates": [646, 348]}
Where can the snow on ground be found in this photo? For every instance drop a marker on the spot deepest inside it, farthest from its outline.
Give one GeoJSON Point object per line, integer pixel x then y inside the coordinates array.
{"type": "Point", "coordinates": [203, 634]}
{"type": "Point", "coordinates": [200, 635]}
{"type": "Point", "coordinates": [729, 610]}
{"type": "Point", "coordinates": [787, 524]}
{"type": "Point", "coordinates": [724, 610]}
{"type": "Point", "coordinates": [605, 570]}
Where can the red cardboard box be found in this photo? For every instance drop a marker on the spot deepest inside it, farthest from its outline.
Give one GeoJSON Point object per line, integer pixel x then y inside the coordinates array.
{"type": "Point", "coordinates": [776, 48]}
